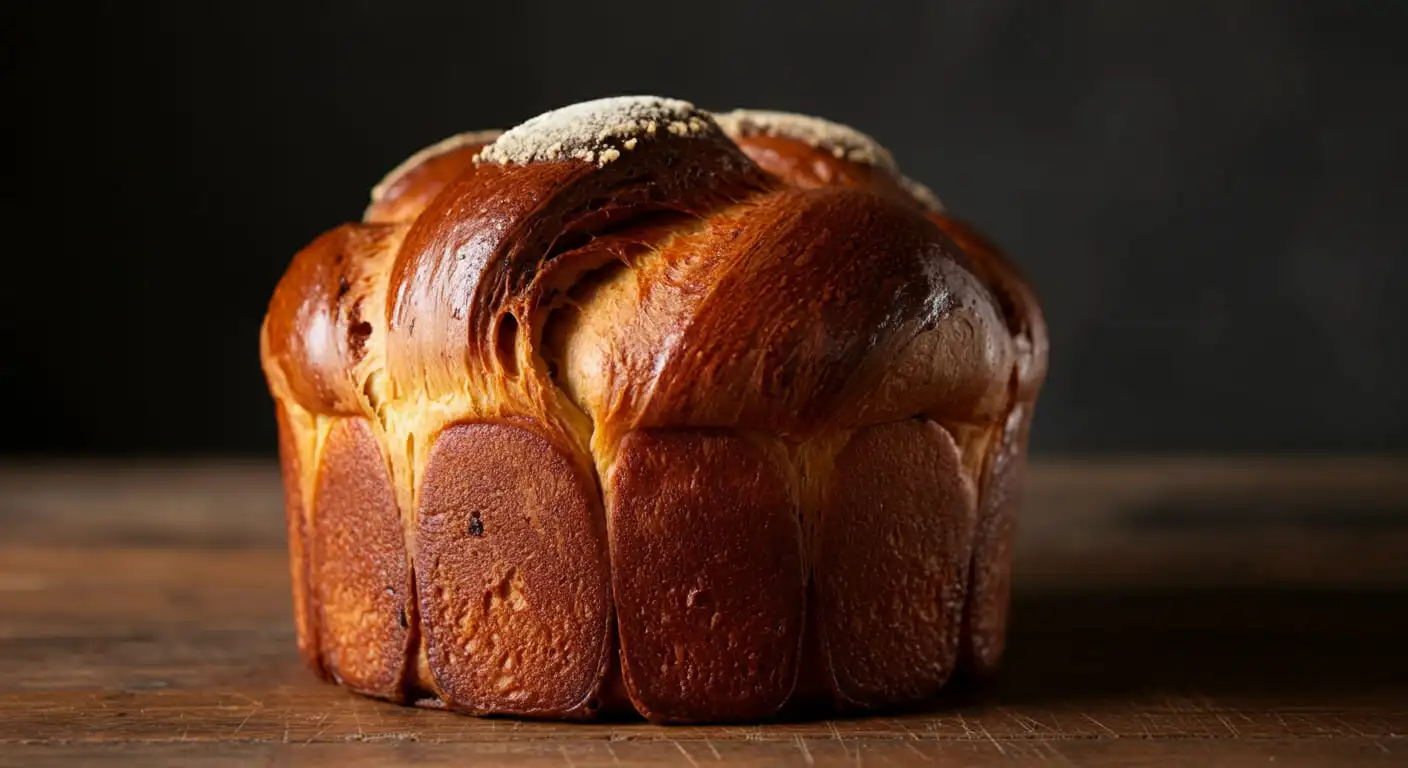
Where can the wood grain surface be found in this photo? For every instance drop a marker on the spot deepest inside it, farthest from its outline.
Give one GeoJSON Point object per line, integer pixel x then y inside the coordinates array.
{"type": "Point", "coordinates": [1167, 612]}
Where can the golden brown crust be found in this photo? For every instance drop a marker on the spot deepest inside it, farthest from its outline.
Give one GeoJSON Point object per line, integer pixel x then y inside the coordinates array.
{"type": "Point", "coordinates": [484, 256]}
{"type": "Point", "coordinates": [409, 188]}
{"type": "Point", "coordinates": [1014, 295]}
{"type": "Point", "coordinates": [324, 324]}
{"type": "Point", "coordinates": [991, 574]}
{"type": "Point", "coordinates": [897, 529]}
{"type": "Point", "coordinates": [990, 589]}
{"type": "Point", "coordinates": [750, 334]}
{"type": "Point", "coordinates": [806, 168]}
{"type": "Point", "coordinates": [512, 574]}
{"type": "Point", "coordinates": [800, 312]}
{"type": "Point", "coordinates": [360, 571]}
{"type": "Point", "coordinates": [997, 451]}
{"type": "Point", "coordinates": [304, 616]}
{"type": "Point", "coordinates": [812, 152]}
{"type": "Point", "coordinates": [708, 575]}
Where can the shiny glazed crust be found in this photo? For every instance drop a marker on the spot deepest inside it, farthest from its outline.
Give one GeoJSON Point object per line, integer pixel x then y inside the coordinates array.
{"type": "Point", "coordinates": [633, 409]}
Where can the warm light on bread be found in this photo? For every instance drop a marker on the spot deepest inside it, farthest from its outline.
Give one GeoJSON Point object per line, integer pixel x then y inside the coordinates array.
{"type": "Point", "coordinates": [633, 407]}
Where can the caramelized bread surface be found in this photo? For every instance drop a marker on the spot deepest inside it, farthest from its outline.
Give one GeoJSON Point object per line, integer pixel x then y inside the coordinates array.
{"type": "Point", "coordinates": [635, 407]}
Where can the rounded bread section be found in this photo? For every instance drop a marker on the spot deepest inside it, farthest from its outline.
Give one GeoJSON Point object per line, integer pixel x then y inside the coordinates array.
{"type": "Point", "coordinates": [512, 574]}
{"type": "Point", "coordinates": [324, 331]}
{"type": "Point", "coordinates": [798, 312]}
{"type": "Point", "coordinates": [985, 637]}
{"type": "Point", "coordinates": [360, 570]}
{"type": "Point", "coordinates": [811, 152]}
{"type": "Point", "coordinates": [808, 153]}
{"type": "Point", "coordinates": [708, 574]}
{"type": "Point", "coordinates": [409, 188]}
{"type": "Point", "coordinates": [989, 600]}
{"type": "Point", "coordinates": [897, 521]}
{"type": "Point", "coordinates": [305, 620]}
{"type": "Point", "coordinates": [483, 264]}
{"type": "Point", "coordinates": [1015, 297]}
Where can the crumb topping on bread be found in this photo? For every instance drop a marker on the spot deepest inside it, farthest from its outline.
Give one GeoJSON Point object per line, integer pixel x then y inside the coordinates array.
{"type": "Point", "coordinates": [597, 131]}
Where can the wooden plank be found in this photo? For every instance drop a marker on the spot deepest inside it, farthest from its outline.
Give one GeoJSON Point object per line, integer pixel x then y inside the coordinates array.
{"type": "Point", "coordinates": [799, 751]}
{"type": "Point", "coordinates": [293, 712]}
{"type": "Point", "coordinates": [1211, 522]}
{"type": "Point", "coordinates": [120, 610]}
{"type": "Point", "coordinates": [1166, 612]}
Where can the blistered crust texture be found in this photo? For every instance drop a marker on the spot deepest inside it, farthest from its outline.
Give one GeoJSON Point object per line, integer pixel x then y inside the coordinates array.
{"type": "Point", "coordinates": [635, 408]}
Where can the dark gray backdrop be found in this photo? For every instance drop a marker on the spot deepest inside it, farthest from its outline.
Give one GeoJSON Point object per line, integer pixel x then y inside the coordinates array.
{"type": "Point", "coordinates": [1208, 196]}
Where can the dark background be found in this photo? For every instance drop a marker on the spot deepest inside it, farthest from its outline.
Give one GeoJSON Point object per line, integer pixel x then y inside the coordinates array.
{"type": "Point", "coordinates": [1209, 197]}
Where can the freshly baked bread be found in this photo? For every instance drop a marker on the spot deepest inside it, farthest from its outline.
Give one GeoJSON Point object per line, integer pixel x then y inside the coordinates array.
{"type": "Point", "coordinates": [638, 407]}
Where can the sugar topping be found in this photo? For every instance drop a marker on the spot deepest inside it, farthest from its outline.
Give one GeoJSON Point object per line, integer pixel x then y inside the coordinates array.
{"type": "Point", "coordinates": [923, 194]}
{"type": "Point", "coordinates": [437, 149]}
{"type": "Point", "coordinates": [598, 131]}
{"type": "Point", "coordinates": [841, 141]}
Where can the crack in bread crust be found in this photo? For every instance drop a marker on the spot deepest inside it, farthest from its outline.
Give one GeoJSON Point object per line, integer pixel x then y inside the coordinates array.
{"type": "Point", "coordinates": [626, 341]}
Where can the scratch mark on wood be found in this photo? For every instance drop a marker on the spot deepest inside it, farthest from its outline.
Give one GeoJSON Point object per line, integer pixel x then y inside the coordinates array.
{"type": "Point", "coordinates": [899, 725]}
{"type": "Point", "coordinates": [989, 737]}
{"type": "Point", "coordinates": [610, 750]}
{"type": "Point", "coordinates": [247, 698]}
{"type": "Point", "coordinates": [1055, 750]}
{"type": "Point", "coordinates": [566, 758]}
{"type": "Point", "coordinates": [685, 752]}
{"type": "Point", "coordinates": [836, 734]}
{"type": "Point", "coordinates": [1101, 726]}
{"type": "Point", "coordinates": [963, 723]}
{"type": "Point", "coordinates": [806, 753]}
{"type": "Point", "coordinates": [1181, 704]}
{"type": "Point", "coordinates": [1236, 734]}
{"type": "Point", "coordinates": [1381, 746]}
{"type": "Point", "coordinates": [932, 726]}
{"type": "Point", "coordinates": [710, 744]}
{"type": "Point", "coordinates": [321, 730]}
{"type": "Point", "coordinates": [1030, 725]}
{"type": "Point", "coordinates": [917, 751]}
{"type": "Point", "coordinates": [1350, 727]}
{"type": "Point", "coordinates": [240, 727]}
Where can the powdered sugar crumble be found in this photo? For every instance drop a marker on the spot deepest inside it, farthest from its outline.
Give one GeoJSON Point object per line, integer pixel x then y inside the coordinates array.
{"type": "Point", "coordinates": [841, 141]}
{"type": "Point", "coordinates": [597, 131]}
{"type": "Point", "coordinates": [923, 194]}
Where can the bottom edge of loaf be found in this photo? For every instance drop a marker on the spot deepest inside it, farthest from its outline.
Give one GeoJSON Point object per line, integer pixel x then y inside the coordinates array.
{"type": "Point", "coordinates": [706, 596]}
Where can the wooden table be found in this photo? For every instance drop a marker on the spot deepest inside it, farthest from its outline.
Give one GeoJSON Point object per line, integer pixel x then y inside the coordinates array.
{"type": "Point", "coordinates": [1168, 612]}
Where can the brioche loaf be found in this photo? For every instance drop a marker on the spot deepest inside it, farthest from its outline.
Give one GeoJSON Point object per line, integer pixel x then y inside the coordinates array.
{"type": "Point", "coordinates": [635, 407]}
